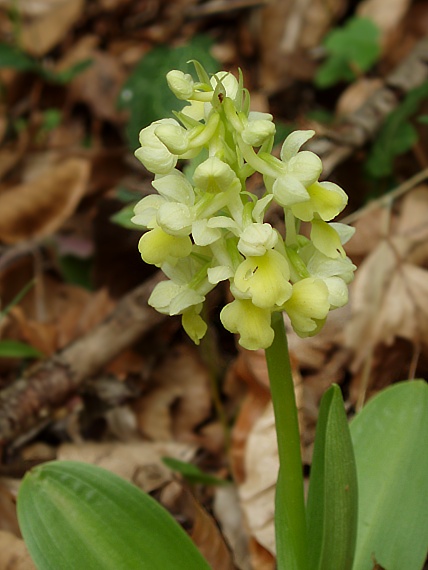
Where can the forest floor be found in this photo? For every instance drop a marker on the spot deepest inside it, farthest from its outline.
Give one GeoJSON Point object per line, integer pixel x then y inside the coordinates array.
{"type": "Point", "coordinates": [87, 370]}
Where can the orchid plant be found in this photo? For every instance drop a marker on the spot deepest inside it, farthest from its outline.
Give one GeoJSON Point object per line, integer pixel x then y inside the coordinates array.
{"type": "Point", "coordinates": [207, 227]}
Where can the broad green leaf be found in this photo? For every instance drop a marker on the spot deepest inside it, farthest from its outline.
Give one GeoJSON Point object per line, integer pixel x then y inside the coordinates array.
{"type": "Point", "coordinates": [16, 349]}
{"type": "Point", "coordinates": [192, 473]}
{"type": "Point", "coordinates": [333, 495]}
{"type": "Point", "coordinates": [146, 93]}
{"type": "Point", "coordinates": [352, 49]}
{"type": "Point", "coordinates": [78, 516]}
{"type": "Point", "coordinates": [390, 438]}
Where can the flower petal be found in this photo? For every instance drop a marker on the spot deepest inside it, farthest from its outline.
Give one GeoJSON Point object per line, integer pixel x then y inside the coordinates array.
{"type": "Point", "coordinates": [252, 323]}
{"type": "Point", "coordinates": [265, 279]}
{"type": "Point", "coordinates": [156, 246]}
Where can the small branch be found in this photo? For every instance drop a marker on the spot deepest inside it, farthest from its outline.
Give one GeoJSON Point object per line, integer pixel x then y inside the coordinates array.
{"type": "Point", "coordinates": [30, 400]}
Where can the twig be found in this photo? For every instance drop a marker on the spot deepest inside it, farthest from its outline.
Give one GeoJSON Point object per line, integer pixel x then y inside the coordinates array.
{"type": "Point", "coordinates": [222, 6]}
{"type": "Point", "coordinates": [30, 400]}
{"type": "Point", "coordinates": [388, 198]}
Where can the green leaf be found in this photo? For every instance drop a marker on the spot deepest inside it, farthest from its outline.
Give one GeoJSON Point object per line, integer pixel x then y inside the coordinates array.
{"type": "Point", "coordinates": [123, 217]}
{"type": "Point", "coordinates": [12, 57]}
{"type": "Point", "coordinates": [66, 75]}
{"type": "Point", "coordinates": [352, 49]}
{"type": "Point", "coordinates": [390, 438]}
{"type": "Point", "coordinates": [146, 93]}
{"type": "Point", "coordinates": [333, 495]}
{"type": "Point", "coordinates": [192, 473]}
{"type": "Point", "coordinates": [397, 135]}
{"type": "Point", "coordinates": [395, 139]}
{"type": "Point", "coordinates": [16, 349]}
{"type": "Point", "coordinates": [77, 270]}
{"type": "Point", "coordinates": [18, 297]}
{"type": "Point", "coordinates": [78, 516]}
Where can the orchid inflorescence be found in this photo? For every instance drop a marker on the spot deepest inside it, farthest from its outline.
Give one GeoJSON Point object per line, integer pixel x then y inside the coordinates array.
{"type": "Point", "coordinates": [207, 227]}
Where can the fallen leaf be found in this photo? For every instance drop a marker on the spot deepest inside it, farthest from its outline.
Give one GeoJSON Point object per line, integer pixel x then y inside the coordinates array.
{"type": "Point", "coordinates": [38, 208]}
{"type": "Point", "coordinates": [14, 554]}
{"type": "Point", "coordinates": [99, 85]}
{"type": "Point", "coordinates": [386, 15]}
{"type": "Point", "coordinates": [44, 29]}
{"type": "Point", "coordinates": [203, 529]}
{"type": "Point", "coordinates": [8, 518]}
{"type": "Point", "coordinates": [228, 513]}
{"type": "Point", "coordinates": [180, 399]}
{"type": "Point", "coordinates": [388, 295]}
{"type": "Point", "coordinates": [257, 493]}
{"type": "Point", "coordinates": [139, 462]}
{"type": "Point", "coordinates": [287, 31]}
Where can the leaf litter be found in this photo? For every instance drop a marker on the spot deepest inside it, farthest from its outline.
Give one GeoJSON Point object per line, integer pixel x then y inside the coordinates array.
{"type": "Point", "coordinates": [72, 101]}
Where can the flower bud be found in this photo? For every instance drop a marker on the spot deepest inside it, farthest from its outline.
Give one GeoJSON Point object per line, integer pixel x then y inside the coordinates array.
{"type": "Point", "coordinates": [256, 132]}
{"type": "Point", "coordinates": [256, 239]}
{"type": "Point", "coordinates": [153, 153]}
{"type": "Point", "coordinates": [213, 175]}
{"type": "Point", "coordinates": [181, 84]}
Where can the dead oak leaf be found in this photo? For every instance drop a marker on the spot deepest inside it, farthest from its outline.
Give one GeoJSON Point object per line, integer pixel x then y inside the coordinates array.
{"type": "Point", "coordinates": [389, 292]}
{"type": "Point", "coordinates": [39, 207]}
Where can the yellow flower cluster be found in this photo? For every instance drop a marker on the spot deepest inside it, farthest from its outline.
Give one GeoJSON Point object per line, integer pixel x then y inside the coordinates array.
{"type": "Point", "coordinates": [208, 228]}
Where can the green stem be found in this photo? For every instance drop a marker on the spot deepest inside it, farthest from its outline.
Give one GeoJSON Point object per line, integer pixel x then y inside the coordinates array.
{"type": "Point", "coordinates": [290, 520]}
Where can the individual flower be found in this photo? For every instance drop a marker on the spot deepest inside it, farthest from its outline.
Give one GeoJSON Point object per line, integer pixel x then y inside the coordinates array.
{"type": "Point", "coordinates": [326, 239]}
{"type": "Point", "coordinates": [153, 153]}
{"type": "Point", "coordinates": [308, 306]}
{"type": "Point", "coordinates": [156, 246]}
{"type": "Point", "coordinates": [326, 200]}
{"type": "Point", "coordinates": [298, 171]}
{"type": "Point", "coordinates": [171, 210]}
{"type": "Point", "coordinates": [264, 279]}
{"type": "Point", "coordinates": [252, 323]}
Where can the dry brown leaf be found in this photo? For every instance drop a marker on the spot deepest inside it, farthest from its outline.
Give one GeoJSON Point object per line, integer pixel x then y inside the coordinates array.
{"type": "Point", "coordinates": [98, 86]}
{"type": "Point", "coordinates": [38, 208]}
{"type": "Point", "coordinates": [386, 15]}
{"type": "Point", "coordinates": [204, 530]}
{"type": "Point", "coordinates": [68, 312]}
{"type": "Point", "coordinates": [287, 31]}
{"type": "Point", "coordinates": [356, 94]}
{"type": "Point", "coordinates": [8, 518]}
{"type": "Point", "coordinates": [257, 493]}
{"type": "Point", "coordinates": [13, 553]}
{"type": "Point", "coordinates": [139, 462]}
{"type": "Point", "coordinates": [44, 30]}
{"type": "Point", "coordinates": [390, 290]}
{"type": "Point", "coordinates": [228, 513]}
{"type": "Point", "coordinates": [180, 399]}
